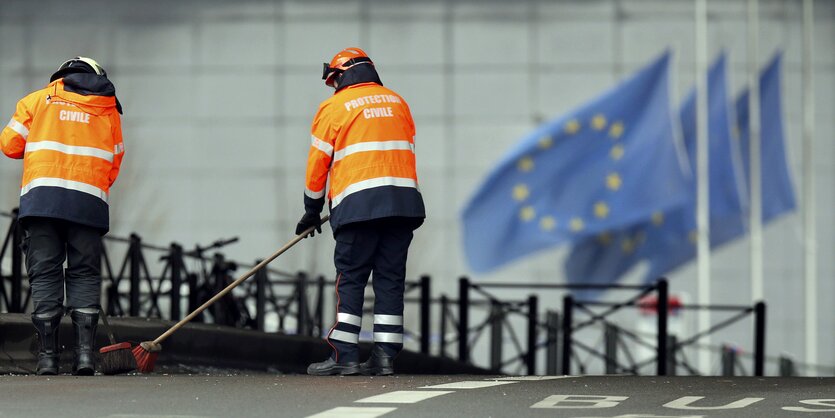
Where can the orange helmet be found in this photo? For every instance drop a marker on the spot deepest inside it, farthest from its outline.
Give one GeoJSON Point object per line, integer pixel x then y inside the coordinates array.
{"type": "Point", "coordinates": [345, 59]}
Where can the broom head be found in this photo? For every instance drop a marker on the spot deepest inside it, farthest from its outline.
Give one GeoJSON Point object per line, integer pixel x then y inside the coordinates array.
{"type": "Point", "coordinates": [117, 359]}
{"type": "Point", "coordinates": [146, 354]}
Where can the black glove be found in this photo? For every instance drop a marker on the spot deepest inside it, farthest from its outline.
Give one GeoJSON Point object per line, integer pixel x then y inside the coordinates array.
{"type": "Point", "coordinates": [308, 220]}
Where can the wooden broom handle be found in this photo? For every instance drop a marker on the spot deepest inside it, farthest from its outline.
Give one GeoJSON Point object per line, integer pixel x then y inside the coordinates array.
{"type": "Point", "coordinates": [238, 281]}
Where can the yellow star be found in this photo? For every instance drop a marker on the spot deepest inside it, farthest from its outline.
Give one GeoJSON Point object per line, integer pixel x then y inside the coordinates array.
{"type": "Point", "coordinates": [598, 122]}
{"type": "Point", "coordinates": [521, 192]}
{"type": "Point", "coordinates": [601, 210]}
{"type": "Point", "coordinates": [547, 223]}
{"type": "Point", "coordinates": [657, 218]}
{"type": "Point", "coordinates": [527, 213]}
{"type": "Point", "coordinates": [545, 142]}
{"type": "Point", "coordinates": [693, 236]}
{"type": "Point", "coordinates": [572, 126]}
{"type": "Point", "coordinates": [576, 224]}
{"type": "Point", "coordinates": [617, 152]}
{"type": "Point", "coordinates": [605, 238]}
{"type": "Point", "coordinates": [525, 164]}
{"type": "Point", "coordinates": [613, 181]}
{"type": "Point", "coordinates": [616, 130]}
{"type": "Point", "coordinates": [627, 245]}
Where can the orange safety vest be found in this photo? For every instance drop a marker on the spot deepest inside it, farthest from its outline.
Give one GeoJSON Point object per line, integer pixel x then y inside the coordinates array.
{"type": "Point", "coordinates": [70, 140]}
{"type": "Point", "coordinates": [362, 137]}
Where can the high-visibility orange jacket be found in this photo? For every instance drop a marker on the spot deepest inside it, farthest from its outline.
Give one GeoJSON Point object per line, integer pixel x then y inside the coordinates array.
{"type": "Point", "coordinates": [363, 139]}
{"type": "Point", "coordinates": [69, 136]}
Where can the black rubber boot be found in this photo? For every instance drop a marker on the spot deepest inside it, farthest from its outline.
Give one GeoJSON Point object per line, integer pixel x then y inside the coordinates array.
{"type": "Point", "coordinates": [48, 357]}
{"type": "Point", "coordinates": [85, 333]}
{"type": "Point", "coordinates": [330, 367]}
{"type": "Point", "coordinates": [379, 364]}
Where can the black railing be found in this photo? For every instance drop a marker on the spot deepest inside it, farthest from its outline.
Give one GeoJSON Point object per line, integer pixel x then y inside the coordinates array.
{"type": "Point", "coordinates": [136, 290]}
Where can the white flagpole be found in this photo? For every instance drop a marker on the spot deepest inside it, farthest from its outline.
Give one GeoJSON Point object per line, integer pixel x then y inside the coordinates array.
{"type": "Point", "coordinates": [702, 180]}
{"type": "Point", "coordinates": [755, 157]}
{"type": "Point", "coordinates": [809, 231]}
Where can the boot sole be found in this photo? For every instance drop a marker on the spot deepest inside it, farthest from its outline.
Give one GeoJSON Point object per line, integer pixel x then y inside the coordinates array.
{"type": "Point", "coordinates": [48, 372]}
{"type": "Point", "coordinates": [84, 372]}
{"type": "Point", "coordinates": [377, 371]}
{"type": "Point", "coordinates": [341, 371]}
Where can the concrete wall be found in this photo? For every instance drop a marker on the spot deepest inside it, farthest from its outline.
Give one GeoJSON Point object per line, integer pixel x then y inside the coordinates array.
{"type": "Point", "coordinates": [218, 98]}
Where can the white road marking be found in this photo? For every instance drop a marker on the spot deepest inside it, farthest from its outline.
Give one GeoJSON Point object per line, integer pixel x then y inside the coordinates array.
{"type": "Point", "coordinates": [467, 384]}
{"type": "Point", "coordinates": [403, 396]}
{"type": "Point", "coordinates": [353, 412]}
{"type": "Point", "coordinates": [531, 378]}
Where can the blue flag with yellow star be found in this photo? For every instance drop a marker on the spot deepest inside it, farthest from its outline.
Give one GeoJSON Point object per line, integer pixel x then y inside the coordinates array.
{"type": "Point", "coordinates": [666, 239]}
{"type": "Point", "coordinates": [613, 162]}
{"type": "Point", "coordinates": [777, 192]}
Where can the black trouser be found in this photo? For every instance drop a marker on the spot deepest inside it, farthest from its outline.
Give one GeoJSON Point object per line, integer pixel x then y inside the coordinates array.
{"type": "Point", "coordinates": [379, 246]}
{"type": "Point", "coordinates": [47, 243]}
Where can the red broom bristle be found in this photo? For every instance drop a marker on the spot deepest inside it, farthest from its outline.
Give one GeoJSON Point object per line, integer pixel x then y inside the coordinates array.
{"type": "Point", "coordinates": [144, 359]}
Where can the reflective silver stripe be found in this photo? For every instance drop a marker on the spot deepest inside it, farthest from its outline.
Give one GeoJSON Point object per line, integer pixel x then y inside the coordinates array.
{"type": "Point", "coordinates": [18, 127]}
{"type": "Point", "coordinates": [69, 149]}
{"type": "Point", "coordinates": [347, 318]}
{"type": "Point", "coordinates": [373, 146]}
{"type": "Point", "coordinates": [388, 319]}
{"type": "Point", "coordinates": [371, 183]}
{"type": "Point", "coordinates": [321, 145]}
{"type": "Point", "coordinates": [388, 337]}
{"type": "Point", "coordinates": [344, 336]}
{"type": "Point", "coordinates": [119, 148]}
{"type": "Point", "coordinates": [64, 184]}
{"type": "Point", "coordinates": [314, 195]}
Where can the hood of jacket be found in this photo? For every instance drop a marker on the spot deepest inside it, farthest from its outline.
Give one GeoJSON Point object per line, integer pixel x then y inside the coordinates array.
{"type": "Point", "coordinates": [358, 74]}
{"type": "Point", "coordinates": [93, 93]}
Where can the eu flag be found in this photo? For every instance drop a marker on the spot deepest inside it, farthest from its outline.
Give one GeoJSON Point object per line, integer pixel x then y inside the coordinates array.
{"type": "Point", "coordinates": [777, 191]}
{"type": "Point", "coordinates": [666, 239]}
{"type": "Point", "coordinates": [612, 162]}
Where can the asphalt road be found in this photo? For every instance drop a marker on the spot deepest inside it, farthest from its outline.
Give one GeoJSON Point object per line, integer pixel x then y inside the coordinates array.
{"type": "Point", "coordinates": [255, 395]}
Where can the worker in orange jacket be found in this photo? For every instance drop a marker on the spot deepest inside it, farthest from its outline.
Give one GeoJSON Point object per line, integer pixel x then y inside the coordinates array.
{"type": "Point", "coordinates": [69, 136]}
{"type": "Point", "coordinates": [363, 141]}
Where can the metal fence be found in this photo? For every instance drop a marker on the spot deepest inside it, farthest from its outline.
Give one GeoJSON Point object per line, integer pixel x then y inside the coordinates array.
{"type": "Point", "coordinates": [167, 282]}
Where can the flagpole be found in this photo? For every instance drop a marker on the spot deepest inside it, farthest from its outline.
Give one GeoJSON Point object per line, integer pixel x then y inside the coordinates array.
{"type": "Point", "coordinates": [809, 231]}
{"type": "Point", "coordinates": [755, 157]}
{"type": "Point", "coordinates": [702, 179]}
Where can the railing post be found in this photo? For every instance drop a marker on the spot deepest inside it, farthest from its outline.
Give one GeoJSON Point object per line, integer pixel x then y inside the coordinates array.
{"type": "Point", "coordinates": [134, 252]}
{"type": "Point", "coordinates": [260, 297]}
{"type": "Point", "coordinates": [193, 297]}
{"type": "Point", "coordinates": [672, 346]}
{"type": "Point", "coordinates": [444, 311]}
{"type": "Point", "coordinates": [611, 336]}
{"type": "Point", "coordinates": [759, 339]}
{"type": "Point", "coordinates": [533, 317]}
{"type": "Point", "coordinates": [175, 260]}
{"type": "Point", "coordinates": [425, 313]}
{"type": "Point", "coordinates": [662, 334]}
{"type": "Point", "coordinates": [786, 367]}
{"type": "Point", "coordinates": [553, 323]}
{"type": "Point", "coordinates": [496, 337]}
{"type": "Point", "coordinates": [301, 304]}
{"type": "Point", "coordinates": [728, 360]}
{"type": "Point", "coordinates": [17, 264]}
{"type": "Point", "coordinates": [567, 319]}
{"type": "Point", "coordinates": [463, 319]}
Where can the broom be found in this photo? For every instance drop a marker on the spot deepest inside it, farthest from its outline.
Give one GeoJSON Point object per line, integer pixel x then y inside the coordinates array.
{"type": "Point", "coordinates": [147, 351]}
{"type": "Point", "coordinates": [116, 358]}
